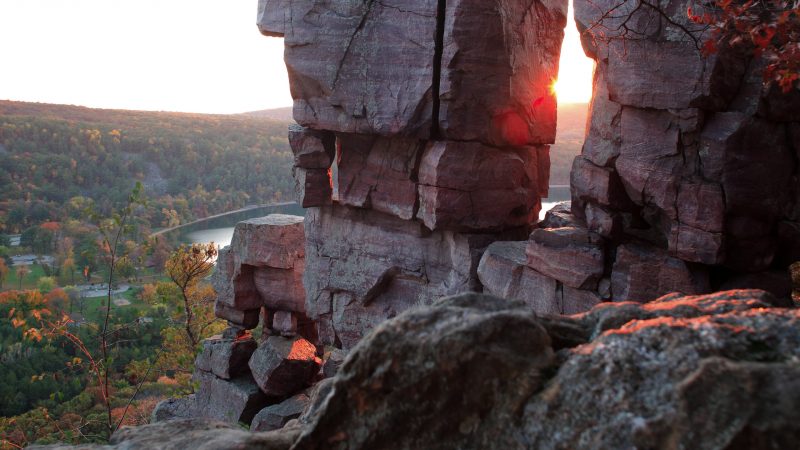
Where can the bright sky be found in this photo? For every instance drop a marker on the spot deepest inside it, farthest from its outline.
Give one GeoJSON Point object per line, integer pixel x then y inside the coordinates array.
{"type": "Point", "coordinates": [575, 70]}
{"type": "Point", "coordinates": [172, 55]}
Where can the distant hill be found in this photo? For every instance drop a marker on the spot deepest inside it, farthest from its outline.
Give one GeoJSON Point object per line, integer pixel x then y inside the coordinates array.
{"type": "Point", "coordinates": [192, 165]}
{"type": "Point", "coordinates": [282, 114]}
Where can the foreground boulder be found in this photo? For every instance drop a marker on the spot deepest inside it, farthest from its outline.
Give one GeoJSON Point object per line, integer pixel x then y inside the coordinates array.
{"type": "Point", "coordinates": [715, 371]}
{"type": "Point", "coordinates": [195, 434]}
{"type": "Point", "coordinates": [718, 371]}
{"type": "Point", "coordinates": [404, 385]}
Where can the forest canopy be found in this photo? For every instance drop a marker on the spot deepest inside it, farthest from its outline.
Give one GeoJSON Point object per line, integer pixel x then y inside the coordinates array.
{"type": "Point", "coordinates": [54, 159]}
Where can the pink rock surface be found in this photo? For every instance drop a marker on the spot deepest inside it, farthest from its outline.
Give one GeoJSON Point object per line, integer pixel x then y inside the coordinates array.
{"type": "Point", "coordinates": [358, 67]}
{"type": "Point", "coordinates": [642, 274]}
{"type": "Point", "coordinates": [363, 267]}
{"type": "Point", "coordinates": [473, 186]}
{"type": "Point", "coordinates": [377, 173]}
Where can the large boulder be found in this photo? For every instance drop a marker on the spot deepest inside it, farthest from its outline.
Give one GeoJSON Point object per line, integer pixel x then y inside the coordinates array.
{"type": "Point", "coordinates": [473, 186]}
{"type": "Point", "coordinates": [271, 243]}
{"type": "Point", "coordinates": [275, 241]}
{"type": "Point", "coordinates": [712, 372]}
{"type": "Point", "coordinates": [284, 366]}
{"type": "Point", "coordinates": [451, 376]}
{"type": "Point", "coordinates": [572, 255]}
{"type": "Point", "coordinates": [721, 381]}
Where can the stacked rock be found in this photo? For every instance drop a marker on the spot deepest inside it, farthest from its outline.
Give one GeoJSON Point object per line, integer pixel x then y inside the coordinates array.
{"type": "Point", "coordinates": [423, 137]}
{"type": "Point", "coordinates": [689, 178]}
{"type": "Point", "coordinates": [259, 276]}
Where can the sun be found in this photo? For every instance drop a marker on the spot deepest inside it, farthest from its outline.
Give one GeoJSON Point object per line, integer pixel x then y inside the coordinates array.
{"type": "Point", "coordinates": [574, 83]}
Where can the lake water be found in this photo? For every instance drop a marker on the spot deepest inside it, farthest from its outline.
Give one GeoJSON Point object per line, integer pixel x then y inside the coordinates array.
{"type": "Point", "coordinates": [220, 230]}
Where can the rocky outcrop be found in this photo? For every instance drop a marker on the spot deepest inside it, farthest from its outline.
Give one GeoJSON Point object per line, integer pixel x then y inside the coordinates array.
{"type": "Point", "coordinates": [262, 269]}
{"type": "Point", "coordinates": [673, 181]}
{"type": "Point", "coordinates": [714, 371]}
{"type": "Point", "coordinates": [674, 155]}
{"type": "Point", "coordinates": [439, 115]}
{"type": "Point", "coordinates": [258, 280]}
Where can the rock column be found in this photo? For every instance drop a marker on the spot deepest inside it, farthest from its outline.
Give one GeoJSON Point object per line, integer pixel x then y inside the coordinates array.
{"type": "Point", "coordinates": [423, 137]}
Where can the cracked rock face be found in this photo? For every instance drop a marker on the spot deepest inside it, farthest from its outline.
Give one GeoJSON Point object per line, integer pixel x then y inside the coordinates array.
{"type": "Point", "coordinates": [359, 66]}
{"type": "Point", "coordinates": [429, 120]}
{"type": "Point", "coordinates": [363, 267]}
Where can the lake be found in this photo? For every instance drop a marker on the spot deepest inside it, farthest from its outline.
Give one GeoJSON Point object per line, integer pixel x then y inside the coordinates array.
{"type": "Point", "coordinates": [220, 229]}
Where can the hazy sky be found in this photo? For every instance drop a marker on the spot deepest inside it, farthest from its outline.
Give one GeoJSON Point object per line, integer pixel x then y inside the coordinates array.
{"type": "Point", "coordinates": [173, 55]}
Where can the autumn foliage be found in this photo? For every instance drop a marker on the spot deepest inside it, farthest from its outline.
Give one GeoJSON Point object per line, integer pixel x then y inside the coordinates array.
{"type": "Point", "coordinates": [770, 29]}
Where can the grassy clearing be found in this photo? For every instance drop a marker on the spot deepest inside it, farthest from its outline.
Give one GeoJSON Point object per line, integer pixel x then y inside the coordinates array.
{"type": "Point", "coordinates": [28, 282]}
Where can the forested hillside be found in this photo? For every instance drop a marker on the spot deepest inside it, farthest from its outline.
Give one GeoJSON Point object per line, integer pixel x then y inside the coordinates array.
{"type": "Point", "coordinates": [53, 158]}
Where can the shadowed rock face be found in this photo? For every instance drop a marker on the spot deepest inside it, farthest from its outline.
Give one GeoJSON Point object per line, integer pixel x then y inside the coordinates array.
{"type": "Point", "coordinates": [702, 150]}
{"type": "Point", "coordinates": [716, 371]}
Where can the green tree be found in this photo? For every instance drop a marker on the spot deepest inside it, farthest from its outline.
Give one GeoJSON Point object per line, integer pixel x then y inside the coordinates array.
{"type": "Point", "coordinates": [46, 284]}
{"type": "Point", "coordinates": [187, 267]}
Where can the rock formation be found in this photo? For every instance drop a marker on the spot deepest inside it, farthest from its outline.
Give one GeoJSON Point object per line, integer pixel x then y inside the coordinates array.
{"type": "Point", "coordinates": [421, 152]}
{"type": "Point", "coordinates": [258, 279]}
{"type": "Point", "coordinates": [689, 178]}
{"type": "Point", "coordinates": [717, 371]}
{"type": "Point", "coordinates": [423, 137]}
